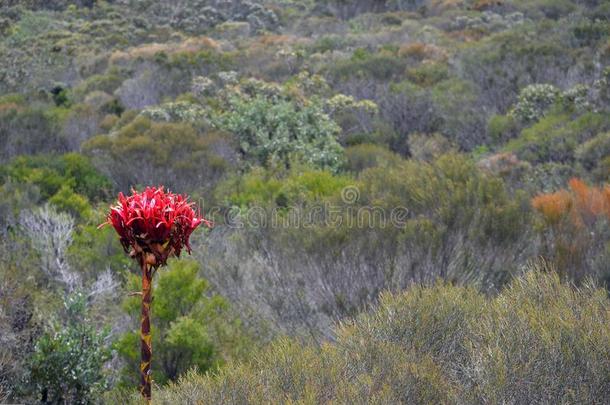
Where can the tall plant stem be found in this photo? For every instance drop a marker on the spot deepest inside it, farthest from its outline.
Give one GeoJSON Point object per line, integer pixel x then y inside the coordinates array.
{"type": "Point", "coordinates": [145, 333]}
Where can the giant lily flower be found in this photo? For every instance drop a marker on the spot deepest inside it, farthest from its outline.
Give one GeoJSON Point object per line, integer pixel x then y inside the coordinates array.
{"type": "Point", "coordinates": [153, 225]}
{"type": "Point", "coordinates": [155, 221]}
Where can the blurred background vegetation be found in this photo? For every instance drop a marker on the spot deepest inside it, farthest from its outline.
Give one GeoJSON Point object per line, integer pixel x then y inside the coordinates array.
{"type": "Point", "coordinates": [489, 121]}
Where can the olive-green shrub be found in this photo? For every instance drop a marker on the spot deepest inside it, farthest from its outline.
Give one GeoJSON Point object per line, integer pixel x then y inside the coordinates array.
{"type": "Point", "coordinates": [538, 341]}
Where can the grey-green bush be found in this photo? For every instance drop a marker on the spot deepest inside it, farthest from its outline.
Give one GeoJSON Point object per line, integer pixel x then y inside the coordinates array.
{"type": "Point", "coordinates": [539, 341]}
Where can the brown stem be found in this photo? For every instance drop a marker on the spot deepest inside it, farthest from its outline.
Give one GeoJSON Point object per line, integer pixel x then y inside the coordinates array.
{"type": "Point", "coordinates": [145, 335]}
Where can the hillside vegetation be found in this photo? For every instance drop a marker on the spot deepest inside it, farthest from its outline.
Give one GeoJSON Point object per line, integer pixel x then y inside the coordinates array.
{"type": "Point", "coordinates": [538, 341]}
{"type": "Point", "coordinates": [382, 175]}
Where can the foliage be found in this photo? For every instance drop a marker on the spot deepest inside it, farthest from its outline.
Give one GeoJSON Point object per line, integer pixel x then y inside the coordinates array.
{"type": "Point", "coordinates": [533, 101]}
{"type": "Point", "coordinates": [25, 130]}
{"type": "Point", "coordinates": [429, 147]}
{"type": "Point", "coordinates": [175, 154]}
{"type": "Point", "coordinates": [65, 364]}
{"type": "Point", "coordinates": [190, 328]}
{"type": "Point", "coordinates": [392, 225]}
{"type": "Point", "coordinates": [52, 173]}
{"type": "Point", "coordinates": [539, 339]}
{"type": "Point", "coordinates": [363, 64]}
{"type": "Point", "coordinates": [301, 186]}
{"type": "Point", "coordinates": [592, 153]}
{"type": "Point", "coordinates": [344, 148]}
{"type": "Point", "coordinates": [502, 128]}
{"type": "Point", "coordinates": [177, 112]}
{"type": "Point", "coordinates": [273, 128]}
{"type": "Point", "coordinates": [575, 228]}
{"type": "Point", "coordinates": [364, 156]}
{"type": "Point", "coordinates": [503, 64]}
{"type": "Point", "coordinates": [556, 136]}
{"type": "Point", "coordinates": [50, 235]}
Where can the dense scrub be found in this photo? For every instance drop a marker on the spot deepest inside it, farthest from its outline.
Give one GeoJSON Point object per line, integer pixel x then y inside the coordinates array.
{"type": "Point", "coordinates": [538, 341]}
{"type": "Point", "coordinates": [346, 151]}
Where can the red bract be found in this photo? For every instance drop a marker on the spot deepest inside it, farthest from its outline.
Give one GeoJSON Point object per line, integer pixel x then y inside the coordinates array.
{"type": "Point", "coordinates": [156, 221]}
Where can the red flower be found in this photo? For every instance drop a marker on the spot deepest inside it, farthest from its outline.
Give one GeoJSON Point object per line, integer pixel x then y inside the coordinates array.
{"type": "Point", "coordinates": [155, 221]}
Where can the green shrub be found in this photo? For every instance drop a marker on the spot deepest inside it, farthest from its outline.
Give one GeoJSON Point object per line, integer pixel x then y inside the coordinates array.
{"type": "Point", "coordinates": [107, 83]}
{"type": "Point", "coordinates": [394, 224]}
{"type": "Point", "coordinates": [174, 154]}
{"type": "Point", "coordinates": [539, 340]}
{"type": "Point", "coordinates": [502, 128]}
{"type": "Point", "coordinates": [450, 190]}
{"type": "Point", "coordinates": [67, 363]}
{"type": "Point", "coordinates": [429, 147]}
{"type": "Point", "coordinates": [502, 65]}
{"type": "Point", "coordinates": [364, 156]}
{"type": "Point", "coordinates": [298, 187]}
{"type": "Point", "coordinates": [25, 130]}
{"type": "Point", "coordinates": [591, 153]}
{"type": "Point", "coordinates": [428, 74]}
{"type": "Point", "coordinates": [457, 104]}
{"type": "Point", "coordinates": [363, 64]}
{"type": "Point", "coordinates": [556, 136]}
{"type": "Point", "coordinates": [328, 43]}
{"type": "Point", "coordinates": [533, 102]}
{"type": "Point", "coordinates": [51, 172]}
{"type": "Point", "coordinates": [542, 341]}
{"type": "Point", "coordinates": [272, 130]}
{"type": "Point", "coordinates": [91, 243]}
{"type": "Point", "coordinates": [192, 330]}
{"type": "Point", "coordinates": [31, 25]}
{"type": "Point", "coordinates": [66, 200]}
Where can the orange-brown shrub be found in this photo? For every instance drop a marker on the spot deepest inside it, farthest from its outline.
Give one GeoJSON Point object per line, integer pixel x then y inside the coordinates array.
{"type": "Point", "coordinates": [482, 5]}
{"type": "Point", "coordinates": [554, 206]}
{"type": "Point", "coordinates": [584, 204]}
{"type": "Point", "coordinates": [573, 226]}
{"type": "Point", "coordinates": [148, 51]}
{"type": "Point", "coordinates": [420, 51]}
{"type": "Point", "coordinates": [4, 107]}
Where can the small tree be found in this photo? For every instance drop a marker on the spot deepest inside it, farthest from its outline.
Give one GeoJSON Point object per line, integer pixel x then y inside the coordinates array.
{"type": "Point", "coordinates": [153, 225]}
{"type": "Point", "coordinates": [65, 364]}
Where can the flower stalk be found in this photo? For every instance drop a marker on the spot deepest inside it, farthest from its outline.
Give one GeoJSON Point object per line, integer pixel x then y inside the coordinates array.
{"type": "Point", "coordinates": [152, 225]}
{"type": "Point", "coordinates": [145, 333]}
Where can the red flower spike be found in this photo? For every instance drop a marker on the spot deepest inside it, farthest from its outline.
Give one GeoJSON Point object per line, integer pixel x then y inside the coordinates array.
{"type": "Point", "coordinates": [155, 221]}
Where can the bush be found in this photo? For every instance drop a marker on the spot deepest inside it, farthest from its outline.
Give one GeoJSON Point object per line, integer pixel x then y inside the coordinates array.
{"type": "Point", "coordinates": [575, 229]}
{"type": "Point", "coordinates": [538, 340]}
{"type": "Point", "coordinates": [591, 153]}
{"type": "Point", "coordinates": [66, 366]}
{"type": "Point", "coordinates": [144, 152]}
{"type": "Point", "coordinates": [542, 341]}
{"type": "Point", "coordinates": [51, 172]}
{"type": "Point", "coordinates": [533, 102]}
{"type": "Point", "coordinates": [107, 82]}
{"type": "Point", "coordinates": [428, 74]}
{"type": "Point", "coordinates": [394, 224]}
{"type": "Point", "coordinates": [192, 329]}
{"type": "Point", "coordinates": [25, 130]}
{"type": "Point", "coordinates": [274, 128]}
{"type": "Point", "coordinates": [362, 64]}
{"type": "Point", "coordinates": [81, 123]}
{"type": "Point", "coordinates": [457, 104]}
{"type": "Point", "coordinates": [503, 64]}
{"type": "Point", "coordinates": [301, 186]}
{"type": "Point", "coordinates": [364, 156]}
{"type": "Point", "coordinates": [502, 128]}
{"type": "Point", "coordinates": [408, 109]}
{"type": "Point", "coordinates": [429, 147]}
{"type": "Point", "coordinates": [556, 136]}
